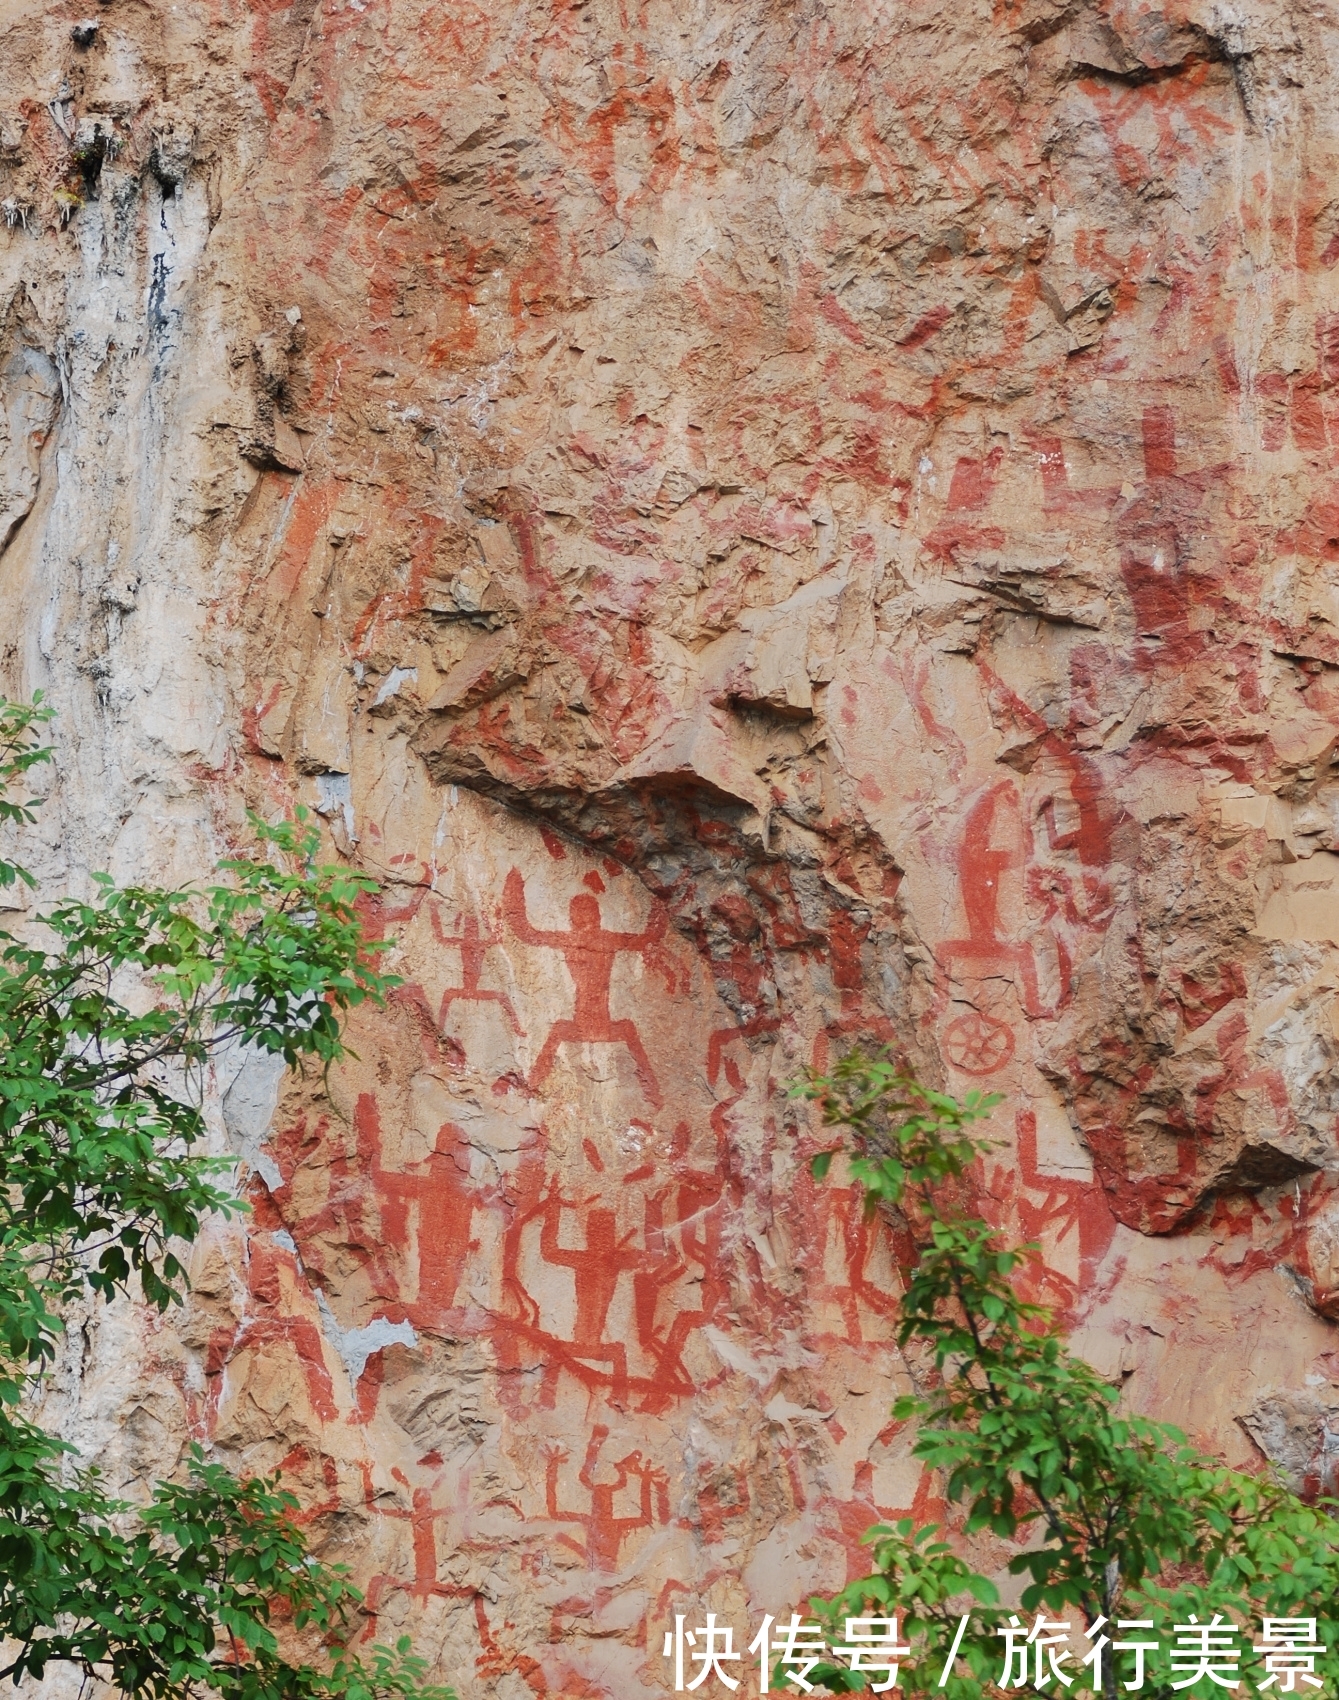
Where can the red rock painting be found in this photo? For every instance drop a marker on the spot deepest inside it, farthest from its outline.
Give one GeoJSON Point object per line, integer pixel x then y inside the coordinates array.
{"type": "Point", "coordinates": [795, 528]}
{"type": "Point", "coordinates": [589, 951]}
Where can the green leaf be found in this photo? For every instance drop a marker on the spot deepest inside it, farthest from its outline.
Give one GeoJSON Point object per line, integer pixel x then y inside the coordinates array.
{"type": "Point", "coordinates": [1102, 1513]}
{"type": "Point", "coordinates": [101, 1169]}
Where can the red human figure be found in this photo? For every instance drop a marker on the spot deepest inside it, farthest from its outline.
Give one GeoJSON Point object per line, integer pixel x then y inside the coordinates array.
{"type": "Point", "coordinates": [846, 938]}
{"type": "Point", "coordinates": [723, 1036]}
{"type": "Point", "coordinates": [268, 1318]}
{"type": "Point", "coordinates": [854, 1516]}
{"type": "Point", "coordinates": [839, 1211]}
{"type": "Point", "coordinates": [1080, 1206]}
{"type": "Point", "coordinates": [605, 1533]}
{"type": "Point", "coordinates": [421, 1517]}
{"type": "Point", "coordinates": [980, 864]}
{"type": "Point", "coordinates": [446, 1206]}
{"type": "Point", "coordinates": [687, 1215]}
{"type": "Point", "coordinates": [596, 1268]}
{"type": "Point", "coordinates": [680, 1231]}
{"type": "Point", "coordinates": [472, 945]}
{"type": "Point", "coordinates": [589, 950]}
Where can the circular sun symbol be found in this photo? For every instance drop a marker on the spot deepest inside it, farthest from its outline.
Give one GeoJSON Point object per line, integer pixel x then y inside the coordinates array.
{"type": "Point", "coordinates": [978, 1044]}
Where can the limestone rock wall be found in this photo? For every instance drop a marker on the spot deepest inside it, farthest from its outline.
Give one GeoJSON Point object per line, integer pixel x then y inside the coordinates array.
{"type": "Point", "coordinates": [765, 526]}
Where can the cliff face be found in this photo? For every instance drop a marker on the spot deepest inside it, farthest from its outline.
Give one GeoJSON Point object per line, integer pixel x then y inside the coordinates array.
{"type": "Point", "coordinates": [765, 526]}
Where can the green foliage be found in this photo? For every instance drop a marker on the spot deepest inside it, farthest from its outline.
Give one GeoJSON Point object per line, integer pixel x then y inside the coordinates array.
{"type": "Point", "coordinates": [184, 1601]}
{"type": "Point", "coordinates": [19, 751]}
{"type": "Point", "coordinates": [105, 1030]}
{"type": "Point", "coordinates": [1099, 1512]}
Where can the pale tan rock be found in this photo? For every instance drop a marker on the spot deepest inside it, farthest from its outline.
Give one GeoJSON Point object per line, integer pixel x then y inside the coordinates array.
{"type": "Point", "coordinates": [1298, 1431]}
{"type": "Point", "coordinates": [1322, 1260]}
{"type": "Point", "coordinates": [764, 531]}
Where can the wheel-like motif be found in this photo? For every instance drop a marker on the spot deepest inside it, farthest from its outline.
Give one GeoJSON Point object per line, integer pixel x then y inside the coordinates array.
{"type": "Point", "coordinates": [978, 1044]}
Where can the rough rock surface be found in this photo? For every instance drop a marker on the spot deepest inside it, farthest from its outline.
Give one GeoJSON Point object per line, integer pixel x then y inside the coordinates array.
{"type": "Point", "coordinates": [765, 526]}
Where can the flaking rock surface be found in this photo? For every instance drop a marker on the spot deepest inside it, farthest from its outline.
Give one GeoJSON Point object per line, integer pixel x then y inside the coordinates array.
{"type": "Point", "coordinates": [765, 526]}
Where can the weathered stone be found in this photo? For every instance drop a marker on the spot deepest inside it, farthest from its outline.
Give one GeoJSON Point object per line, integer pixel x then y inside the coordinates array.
{"type": "Point", "coordinates": [765, 529]}
{"type": "Point", "coordinates": [1299, 1434]}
